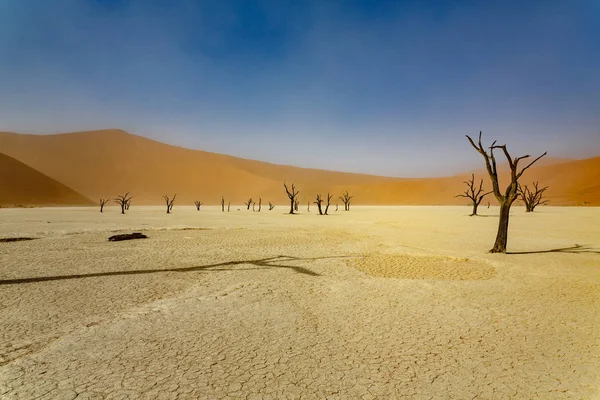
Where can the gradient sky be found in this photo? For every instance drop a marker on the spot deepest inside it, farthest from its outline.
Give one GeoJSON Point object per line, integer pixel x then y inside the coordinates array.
{"type": "Point", "coordinates": [382, 87]}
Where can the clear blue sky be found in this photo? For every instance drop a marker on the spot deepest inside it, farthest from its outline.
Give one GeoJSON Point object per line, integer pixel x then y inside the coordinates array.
{"type": "Point", "coordinates": [383, 87]}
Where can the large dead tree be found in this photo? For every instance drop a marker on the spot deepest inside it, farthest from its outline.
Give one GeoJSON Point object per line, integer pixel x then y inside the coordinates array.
{"type": "Point", "coordinates": [123, 201]}
{"type": "Point", "coordinates": [292, 195]}
{"type": "Point", "coordinates": [345, 198]}
{"type": "Point", "coordinates": [248, 204]}
{"type": "Point", "coordinates": [198, 204]}
{"type": "Point", "coordinates": [532, 198]}
{"type": "Point", "coordinates": [329, 196]}
{"type": "Point", "coordinates": [103, 203]}
{"type": "Point", "coordinates": [222, 204]}
{"type": "Point", "coordinates": [271, 206]}
{"type": "Point", "coordinates": [510, 194]}
{"type": "Point", "coordinates": [473, 193]}
{"type": "Point", "coordinates": [318, 203]}
{"type": "Point", "coordinates": [169, 202]}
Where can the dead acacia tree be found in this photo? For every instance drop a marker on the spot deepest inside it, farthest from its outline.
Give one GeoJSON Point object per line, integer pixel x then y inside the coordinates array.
{"type": "Point", "coordinates": [292, 195]}
{"type": "Point", "coordinates": [510, 194]}
{"type": "Point", "coordinates": [169, 202]}
{"type": "Point", "coordinates": [474, 194]}
{"type": "Point", "coordinates": [222, 204]}
{"type": "Point", "coordinates": [123, 201]}
{"type": "Point", "coordinates": [253, 207]}
{"type": "Point", "coordinates": [336, 206]}
{"type": "Point", "coordinates": [259, 203]}
{"type": "Point", "coordinates": [128, 204]}
{"type": "Point", "coordinates": [248, 204]}
{"type": "Point", "coordinates": [532, 198]}
{"type": "Point", "coordinates": [198, 204]}
{"type": "Point", "coordinates": [345, 198]}
{"type": "Point", "coordinates": [228, 206]}
{"type": "Point", "coordinates": [318, 203]}
{"type": "Point", "coordinates": [329, 196]}
{"type": "Point", "coordinates": [296, 204]}
{"type": "Point", "coordinates": [271, 206]}
{"type": "Point", "coordinates": [103, 203]}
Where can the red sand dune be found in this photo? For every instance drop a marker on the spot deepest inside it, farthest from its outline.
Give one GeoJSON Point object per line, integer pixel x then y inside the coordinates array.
{"type": "Point", "coordinates": [108, 162]}
{"type": "Point", "coordinates": [21, 185]}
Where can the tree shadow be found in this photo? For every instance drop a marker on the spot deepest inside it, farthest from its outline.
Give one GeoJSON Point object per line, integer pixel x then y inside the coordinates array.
{"type": "Point", "coordinates": [264, 263]}
{"type": "Point", "coordinates": [576, 249]}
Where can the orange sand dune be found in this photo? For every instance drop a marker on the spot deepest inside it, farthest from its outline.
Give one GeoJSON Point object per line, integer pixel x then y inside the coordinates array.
{"type": "Point", "coordinates": [108, 162]}
{"type": "Point", "coordinates": [23, 185]}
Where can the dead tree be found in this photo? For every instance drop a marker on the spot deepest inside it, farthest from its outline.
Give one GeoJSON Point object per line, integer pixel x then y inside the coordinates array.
{"type": "Point", "coordinates": [308, 206]}
{"type": "Point", "coordinates": [259, 204]}
{"type": "Point", "coordinates": [222, 204]}
{"type": "Point", "coordinates": [123, 201]}
{"type": "Point", "coordinates": [271, 206]}
{"type": "Point", "coordinates": [103, 203]}
{"type": "Point", "coordinates": [228, 206]}
{"type": "Point", "coordinates": [345, 198]}
{"type": "Point", "coordinates": [296, 204]}
{"type": "Point", "coordinates": [510, 194]}
{"type": "Point", "coordinates": [318, 203]}
{"type": "Point", "coordinates": [169, 202]}
{"type": "Point", "coordinates": [292, 195]}
{"type": "Point", "coordinates": [198, 204]}
{"type": "Point", "coordinates": [128, 204]}
{"type": "Point", "coordinates": [253, 207]}
{"type": "Point", "coordinates": [329, 196]}
{"type": "Point", "coordinates": [336, 206]}
{"type": "Point", "coordinates": [248, 204]}
{"type": "Point", "coordinates": [475, 195]}
{"type": "Point", "coordinates": [532, 198]}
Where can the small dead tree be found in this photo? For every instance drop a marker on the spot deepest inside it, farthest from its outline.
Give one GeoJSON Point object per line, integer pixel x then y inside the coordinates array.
{"type": "Point", "coordinates": [198, 204]}
{"type": "Point", "coordinates": [128, 204]}
{"type": "Point", "coordinates": [248, 204]}
{"type": "Point", "coordinates": [336, 206]}
{"type": "Point", "coordinates": [271, 206]}
{"type": "Point", "coordinates": [510, 194]}
{"type": "Point", "coordinates": [329, 196]}
{"type": "Point", "coordinates": [123, 201]}
{"type": "Point", "coordinates": [308, 206]}
{"type": "Point", "coordinates": [345, 198]}
{"type": "Point", "coordinates": [259, 203]}
{"type": "Point", "coordinates": [222, 204]}
{"type": "Point", "coordinates": [169, 202]}
{"type": "Point", "coordinates": [296, 204]}
{"type": "Point", "coordinates": [318, 203]}
{"type": "Point", "coordinates": [253, 207]}
{"type": "Point", "coordinates": [532, 198]}
{"type": "Point", "coordinates": [103, 203]}
{"type": "Point", "coordinates": [292, 195]}
{"type": "Point", "coordinates": [228, 206]}
{"type": "Point", "coordinates": [475, 195]}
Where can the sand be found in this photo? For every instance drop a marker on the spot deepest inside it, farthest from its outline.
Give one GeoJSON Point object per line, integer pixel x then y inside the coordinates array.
{"type": "Point", "coordinates": [107, 163]}
{"type": "Point", "coordinates": [378, 302]}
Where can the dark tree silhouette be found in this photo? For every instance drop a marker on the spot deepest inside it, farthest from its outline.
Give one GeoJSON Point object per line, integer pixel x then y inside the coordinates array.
{"type": "Point", "coordinates": [128, 204]}
{"type": "Point", "coordinates": [292, 195]}
{"type": "Point", "coordinates": [123, 201]}
{"type": "Point", "coordinates": [474, 194]}
{"type": "Point", "coordinates": [308, 206]}
{"type": "Point", "coordinates": [510, 194]}
{"type": "Point", "coordinates": [259, 203]}
{"type": "Point", "coordinates": [222, 204]}
{"type": "Point", "coordinates": [345, 198]}
{"type": "Point", "coordinates": [532, 198]}
{"type": "Point", "coordinates": [318, 203]}
{"type": "Point", "coordinates": [271, 206]}
{"type": "Point", "coordinates": [296, 204]}
{"type": "Point", "coordinates": [336, 206]}
{"type": "Point", "coordinates": [198, 204]}
{"type": "Point", "coordinates": [228, 206]}
{"type": "Point", "coordinates": [169, 202]}
{"type": "Point", "coordinates": [329, 196]}
{"type": "Point", "coordinates": [248, 204]}
{"type": "Point", "coordinates": [103, 203]}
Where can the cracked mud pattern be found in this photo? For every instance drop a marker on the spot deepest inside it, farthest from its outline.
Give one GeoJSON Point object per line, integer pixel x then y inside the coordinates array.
{"type": "Point", "coordinates": [251, 308]}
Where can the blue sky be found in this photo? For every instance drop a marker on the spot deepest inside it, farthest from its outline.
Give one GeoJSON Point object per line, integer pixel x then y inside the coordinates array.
{"type": "Point", "coordinates": [382, 87]}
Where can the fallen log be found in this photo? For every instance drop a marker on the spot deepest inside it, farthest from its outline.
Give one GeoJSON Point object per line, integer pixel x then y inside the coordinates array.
{"type": "Point", "coordinates": [127, 236]}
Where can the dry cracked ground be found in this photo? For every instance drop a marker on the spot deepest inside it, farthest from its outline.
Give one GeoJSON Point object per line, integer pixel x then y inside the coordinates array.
{"type": "Point", "coordinates": [375, 303]}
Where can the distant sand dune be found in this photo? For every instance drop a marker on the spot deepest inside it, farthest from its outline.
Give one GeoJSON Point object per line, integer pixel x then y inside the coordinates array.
{"type": "Point", "coordinates": [107, 162]}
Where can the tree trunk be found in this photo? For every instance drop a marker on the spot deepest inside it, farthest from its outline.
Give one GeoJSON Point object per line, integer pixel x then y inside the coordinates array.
{"type": "Point", "coordinates": [122, 208]}
{"type": "Point", "coordinates": [291, 206]}
{"type": "Point", "coordinates": [502, 236]}
{"type": "Point", "coordinates": [475, 205]}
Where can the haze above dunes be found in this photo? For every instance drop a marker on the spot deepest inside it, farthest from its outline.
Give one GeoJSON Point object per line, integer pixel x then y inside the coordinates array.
{"type": "Point", "coordinates": [108, 162]}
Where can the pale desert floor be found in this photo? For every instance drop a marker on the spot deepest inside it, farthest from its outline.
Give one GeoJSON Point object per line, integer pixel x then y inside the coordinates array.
{"type": "Point", "coordinates": [378, 302]}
